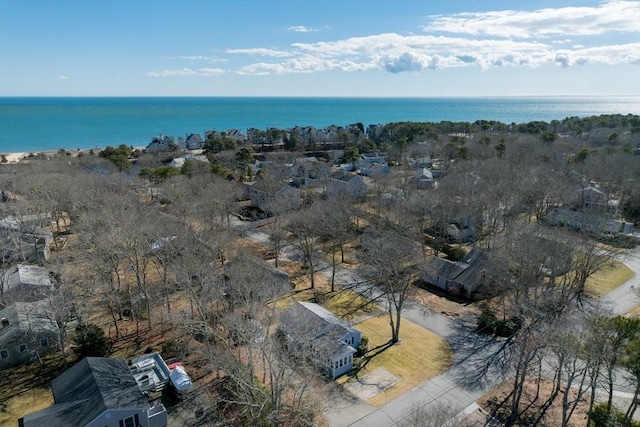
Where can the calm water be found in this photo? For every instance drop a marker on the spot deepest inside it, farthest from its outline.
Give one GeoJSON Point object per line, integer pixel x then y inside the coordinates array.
{"type": "Point", "coordinates": [39, 124]}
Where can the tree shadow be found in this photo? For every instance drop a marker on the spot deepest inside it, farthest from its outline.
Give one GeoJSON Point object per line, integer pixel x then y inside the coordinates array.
{"type": "Point", "coordinates": [480, 361]}
{"type": "Point", "coordinates": [370, 355]}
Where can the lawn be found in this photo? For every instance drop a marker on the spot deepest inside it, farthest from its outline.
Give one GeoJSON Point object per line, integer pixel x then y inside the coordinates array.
{"type": "Point", "coordinates": [419, 356]}
{"type": "Point", "coordinates": [343, 303]}
{"type": "Point", "coordinates": [24, 403]}
{"type": "Point", "coordinates": [608, 279]}
{"type": "Point", "coordinates": [634, 313]}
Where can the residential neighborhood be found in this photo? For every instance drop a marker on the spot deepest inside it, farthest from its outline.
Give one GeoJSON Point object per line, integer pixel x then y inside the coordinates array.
{"type": "Point", "coordinates": [342, 279]}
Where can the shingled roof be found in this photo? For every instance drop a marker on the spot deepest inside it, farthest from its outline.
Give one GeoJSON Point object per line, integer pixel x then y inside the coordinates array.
{"type": "Point", "coordinates": [86, 390]}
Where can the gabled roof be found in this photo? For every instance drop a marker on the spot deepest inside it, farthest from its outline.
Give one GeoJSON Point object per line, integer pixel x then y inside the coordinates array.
{"type": "Point", "coordinates": [26, 275]}
{"type": "Point", "coordinates": [86, 390]}
{"type": "Point", "coordinates": [467, 271]}
{"type": "Point", "coordinates": [270, 187]}
{"type": "Point", "coordinates": [309, 322]}
{"type": "Point", "coordinates": [343, 176]}
{"type": "Point", "coordinates": [26, 317]}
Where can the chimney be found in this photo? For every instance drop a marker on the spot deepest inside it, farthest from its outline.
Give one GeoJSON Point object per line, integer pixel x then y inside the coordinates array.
{"type": "Point", "coordinates": [5, 322]}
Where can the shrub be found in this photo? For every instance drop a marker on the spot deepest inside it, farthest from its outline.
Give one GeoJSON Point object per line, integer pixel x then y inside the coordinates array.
{"type": "Point", "coordinates": [454, 253]}
{"type": "Point", "coordinates": [363, 347]}
{"type": "Point", "coordinates": [174, 348]}
{"type": "Point", "coordinates": [599, 417]}
{"type": "Point", "coordinates": [90, 341]}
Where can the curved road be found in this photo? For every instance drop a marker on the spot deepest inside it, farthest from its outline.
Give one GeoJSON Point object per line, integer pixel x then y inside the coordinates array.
{"type": "Point", "coordinates": [450, 387]}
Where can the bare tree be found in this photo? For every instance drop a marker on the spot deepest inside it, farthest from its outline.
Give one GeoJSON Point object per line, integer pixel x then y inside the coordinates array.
{"type": "Point", "coordinates": [304, 227]}
{"type": "Point", "coordinates": [391, 257]}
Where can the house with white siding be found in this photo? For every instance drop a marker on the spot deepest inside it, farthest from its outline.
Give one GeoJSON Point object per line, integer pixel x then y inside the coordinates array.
{"type": "Point", "coordinates": [325, 338]}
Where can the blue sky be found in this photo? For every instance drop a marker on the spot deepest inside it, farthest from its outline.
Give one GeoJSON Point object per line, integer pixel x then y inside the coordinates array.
{"type": "Point", "coordinates": [319, 48]}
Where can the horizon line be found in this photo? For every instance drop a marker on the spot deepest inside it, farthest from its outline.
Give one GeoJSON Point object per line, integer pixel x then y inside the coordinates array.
{"type": "Point", "coordinates": [328, 97]}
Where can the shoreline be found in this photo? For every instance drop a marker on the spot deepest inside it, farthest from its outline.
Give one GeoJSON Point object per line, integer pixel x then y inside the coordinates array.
{"type": "Point", "coordinates": [17, 157]}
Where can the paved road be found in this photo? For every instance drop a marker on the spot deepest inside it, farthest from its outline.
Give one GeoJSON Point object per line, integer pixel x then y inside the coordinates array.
{"type": "Point", "coordinates": [458, 386]}
{"type": "Point", "coordinates": [624, 298]}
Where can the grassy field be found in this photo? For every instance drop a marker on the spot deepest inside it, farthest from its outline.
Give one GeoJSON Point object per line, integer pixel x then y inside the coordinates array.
{"type": "Point", "coordinates": [419, 356]}
{"type": "Point", "coordinates": [608, 279]}
{"type": "Point", "coordinates": [343, 303]}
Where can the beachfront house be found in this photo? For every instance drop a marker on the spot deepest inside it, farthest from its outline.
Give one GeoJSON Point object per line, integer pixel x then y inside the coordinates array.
{"type": "Point", "coordinates": [98, 392]}
{"type": "Point", "coordinates": [323, 337]}
{"type": "Point", "coordinates": [193, 141]}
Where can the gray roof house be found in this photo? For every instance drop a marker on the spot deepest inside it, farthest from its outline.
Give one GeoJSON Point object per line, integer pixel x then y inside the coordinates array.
{"type": "Point", "coordinates": [596, 199]}
{"type": "Point", "coordinates": [163, 143]}
{"type": "Point", "coordinates": [97, 392]}
{"type": "Point", "coordinates": [274, 197]}
{"type": "Point", "coordinates": [26, 283]}
{"type": "Point", "coordinates": [423, 179]}
{"type": "Point", "coordinates": [348, 184]}
{"type": "Point", "coordinates": [375, 169]}
{"type": "Point", "coordinates": [26, 332]}
{"type": "Point", "coordinates": [248, 277]}
{"type": "Point", "coordinates": [464, 276]}
{"type": "Point", "coordinates": [193, 141]}
{"type": "Point", "coordinates": [587, 221]}
{"type": "Point", "coordinates": [328, 340]}
{"type": "Point", "coordinates": [308, 171]}
{"type": "Point", "coordinates": [25, 238]}
{"type": "Point", "coordinates": [366, 158]}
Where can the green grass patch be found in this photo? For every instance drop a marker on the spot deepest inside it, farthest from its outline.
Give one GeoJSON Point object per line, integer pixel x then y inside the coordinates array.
{"type": "Point", "coordinates": [420, 356]}
{"type": "Point", "coordinates": [608, 279]}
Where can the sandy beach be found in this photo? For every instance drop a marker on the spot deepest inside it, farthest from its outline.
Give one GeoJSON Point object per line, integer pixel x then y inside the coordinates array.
{"type": "Point", "coordinates": [17, 157]}
{"type": "Point", "coordinates": [13, 157]}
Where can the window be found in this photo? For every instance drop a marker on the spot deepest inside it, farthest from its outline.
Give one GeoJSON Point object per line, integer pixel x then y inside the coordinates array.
{"type": "Point", "coordinates": [44, 342]}
{"type": "Point", "coordinates": [336, 365]}
{"type": "Point", "coordinates": [4, 354]}
{"type": "Point", "coordinates": [22, 348]}
{"type": "Point", "coordinates": [130, 422]}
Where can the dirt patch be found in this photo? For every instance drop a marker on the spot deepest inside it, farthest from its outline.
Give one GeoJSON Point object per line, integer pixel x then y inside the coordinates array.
{"type": "Point", "coordinates": [372, 384]}
{"type": "Point", "coordinates": [553, 417]}
{"type": "Point", "coordinates": [442, 304]}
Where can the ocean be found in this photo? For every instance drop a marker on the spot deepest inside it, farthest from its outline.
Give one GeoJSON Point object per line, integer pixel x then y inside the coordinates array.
{"type": "Point", "coordinates": [46, 124]}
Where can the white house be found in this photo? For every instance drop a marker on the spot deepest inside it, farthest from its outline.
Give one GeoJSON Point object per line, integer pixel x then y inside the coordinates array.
{"type": "Point", "coordinates": [328, 340]}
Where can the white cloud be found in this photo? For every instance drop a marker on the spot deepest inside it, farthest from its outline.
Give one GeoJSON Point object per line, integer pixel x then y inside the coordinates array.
{"type": "Point", "coordinates": [63, 77]}
{"type": "Point", "coordinates": [409, 62]}
{"type": "Point", "coordinates": [200, 72]}
{"type": "Point", "coordinates": [200, 58]}
{"type": "Point", "coordinates": [302, 29]}
{"type": "Point", "coordinates": [612, 16]}
{"type": "Point", "coordinates": [565, 36]}
{"type": "Point", "coordinates": [261, 52]}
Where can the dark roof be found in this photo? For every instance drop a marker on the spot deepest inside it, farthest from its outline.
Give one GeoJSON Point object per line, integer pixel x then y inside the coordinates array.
{"type": "Point", "coordinates": [467, 271]}
{"type": "Point", "coordinates": [343, 176]}
{"type": "Point", "coordinates": [86, 390]}
{"type": "Point", "coordinates": [310, 322]}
